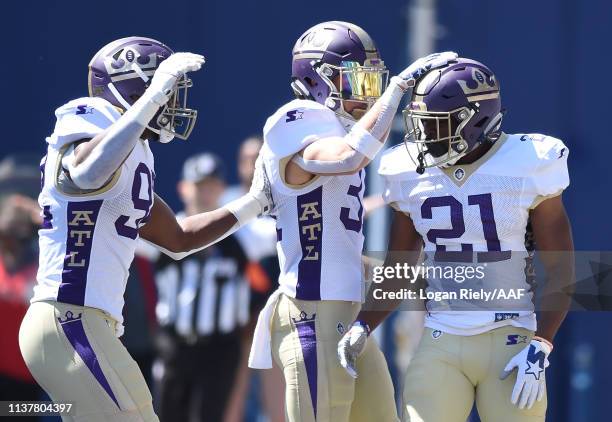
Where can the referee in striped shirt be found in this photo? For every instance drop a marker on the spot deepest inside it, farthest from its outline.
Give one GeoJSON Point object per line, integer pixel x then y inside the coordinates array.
{"type": "Point", "coordinates": [203, 304]}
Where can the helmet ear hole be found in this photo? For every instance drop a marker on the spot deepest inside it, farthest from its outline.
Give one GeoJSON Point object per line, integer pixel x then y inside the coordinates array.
{"type": "Point", "coordinates": [481, 122]}
{"type": "Point", "coordinates": [310, 82]}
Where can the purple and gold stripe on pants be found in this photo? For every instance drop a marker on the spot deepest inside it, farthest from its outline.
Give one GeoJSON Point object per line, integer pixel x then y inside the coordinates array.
{"type": "Point", "coordinates": [75, 333]}
{"type": "Point", "coordinates": [308, 341]}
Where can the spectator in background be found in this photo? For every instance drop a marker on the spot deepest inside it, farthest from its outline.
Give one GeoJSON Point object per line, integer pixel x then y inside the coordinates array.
{"type": "Point", "coordinates": [258, 239]}
{"type": "Point", "coordinates": [203, 303]}
{"type": "Point", "coordinates": [18, 265]}
{"type": "Point", "coordinates": [19, 220]}
{"type": "Point", "coordinates": [139, 314]}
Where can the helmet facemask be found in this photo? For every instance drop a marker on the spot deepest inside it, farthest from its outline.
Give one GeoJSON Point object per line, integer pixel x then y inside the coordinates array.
{"type": "Point", "coordinates": [436, 134]}
{"type": "Point", "coordinates": [122, 71]}
{"type": "Point", "coordinates": [358, 84]}
{"type": "Point", "coordinates": [175, 118]}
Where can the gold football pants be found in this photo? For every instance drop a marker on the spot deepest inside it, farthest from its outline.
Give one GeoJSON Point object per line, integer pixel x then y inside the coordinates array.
{"type": "Point", "coordinates": [305, 337]}
{"type": "Point", "coordinates": [73, 354]}
{"type": "Point", "coordinates": [449, 372]}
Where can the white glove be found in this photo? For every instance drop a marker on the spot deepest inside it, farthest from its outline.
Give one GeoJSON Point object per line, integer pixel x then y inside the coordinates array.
{"type": "Point", "coordinates": [531, 363]}
{"type": "Point", "coordinates": [351, 345]}
{"type": "Point", "coordinates": [412, 73]}
{"type": "Point", "coordinates": [260, 187]}
{"type": "Point", "coordinates": [169, 72]}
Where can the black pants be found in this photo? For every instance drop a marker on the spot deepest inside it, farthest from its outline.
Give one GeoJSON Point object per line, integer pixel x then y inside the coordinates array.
{"type": "Point", "coordinates": [197, 378]}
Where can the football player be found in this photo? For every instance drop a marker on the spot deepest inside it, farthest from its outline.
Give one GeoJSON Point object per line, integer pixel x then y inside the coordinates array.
{"type": "Point", "coordinates": [462, 190]}
{"type": "Point", "coordinates": [97, 199]}
{"type": "Point", "coordinates": [315, 149]}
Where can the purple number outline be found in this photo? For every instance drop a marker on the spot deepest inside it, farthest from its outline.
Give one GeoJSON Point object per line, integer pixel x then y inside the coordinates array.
{"type": "Point", "coordinates": [487, 217]}
{"type": "Point", "coordinates": [489, 228]}
{"type": "Point", "coordinates": [140, 204]}
{"type": "Point", "coordinates": [457, 229]}
{"type": "Point", "coordinates": [351, 223]}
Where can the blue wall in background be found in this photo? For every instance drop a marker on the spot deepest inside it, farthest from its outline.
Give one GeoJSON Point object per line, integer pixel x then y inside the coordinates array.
{"type": "Point", "coordinates": [247, 45]}
{"type": "Point", "coordinates": [552, 58]}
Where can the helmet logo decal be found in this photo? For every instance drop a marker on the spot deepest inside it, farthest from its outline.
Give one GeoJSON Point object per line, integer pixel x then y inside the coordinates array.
{"type": "Point", "coordinates": [316, 40]}
{"type": "Point", "coordinates": [479, 85]}
{"type": "Point", "coordinates": [129, 64]}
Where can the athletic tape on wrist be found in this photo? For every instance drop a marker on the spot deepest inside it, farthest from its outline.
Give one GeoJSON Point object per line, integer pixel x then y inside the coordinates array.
{"type": "Point", "coordinates": [364, 325]}
{"type": "Point", "coordinates": [145, 108]}
{"type": "Point", "coordinates": [245, 209]}
{"type": "Point", "coordinates": [364, 142]}
{"type": "Point", "coordinates": [543, 340]}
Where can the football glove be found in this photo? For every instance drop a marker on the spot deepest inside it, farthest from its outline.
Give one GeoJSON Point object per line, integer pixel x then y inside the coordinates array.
{"type": "Point", "coordinates": [351, 345]}
{"type": "Point", "coordinates": [531, 363]}
{"type": "Point", "coordinates": [169, 72]}
{"type": "Point", "coordinates": [412, 73]}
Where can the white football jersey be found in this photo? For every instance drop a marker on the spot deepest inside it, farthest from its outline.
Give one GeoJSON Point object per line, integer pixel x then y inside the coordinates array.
{"type": "Point", "coordinates": [87, 238]}
{"type": "Point", "coordinates": [478, 213]}
{"type": "Point", "coordinates": [318, 224]}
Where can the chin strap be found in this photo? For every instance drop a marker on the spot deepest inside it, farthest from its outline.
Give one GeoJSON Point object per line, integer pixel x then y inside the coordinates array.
{"type": "Point", "coordinates": [421, 167]}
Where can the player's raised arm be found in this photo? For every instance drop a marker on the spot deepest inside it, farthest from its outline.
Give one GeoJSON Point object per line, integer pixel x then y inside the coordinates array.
{"type": "Point", "coordinates": [90, 164]}
{"type": "Point", "coordinates": [180, 238]}
{"type": "Point", "coordinates": [352, 152]}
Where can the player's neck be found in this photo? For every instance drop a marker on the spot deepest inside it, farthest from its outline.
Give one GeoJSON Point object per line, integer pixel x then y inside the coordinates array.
{"type": "Point", "coordinates": [475, 155]}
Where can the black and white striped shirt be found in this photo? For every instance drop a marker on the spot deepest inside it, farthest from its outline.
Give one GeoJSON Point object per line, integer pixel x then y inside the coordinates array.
{"type": "Point", "coordinates": [204, 294]}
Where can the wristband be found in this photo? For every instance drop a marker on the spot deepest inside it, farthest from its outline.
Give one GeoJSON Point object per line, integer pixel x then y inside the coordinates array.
{"type": "Point", "coordinates": [362, 141]}
{"type": "Point", "coordinates": [146, 107]}
{"type": "Point", "coordinates": [245, 209]}
{"type": "Point", "coordinates": [543, 340]}
{"type": "Point", "coordinates": [364, 325]}
{"type": "Point", "coordinates": [403, 84]}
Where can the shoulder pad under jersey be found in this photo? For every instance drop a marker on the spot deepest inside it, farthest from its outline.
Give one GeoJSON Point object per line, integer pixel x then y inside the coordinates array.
{"type": "Point", "coordinates": [82, 118]}
{"type": "Point", "coordinates": [297, 124]}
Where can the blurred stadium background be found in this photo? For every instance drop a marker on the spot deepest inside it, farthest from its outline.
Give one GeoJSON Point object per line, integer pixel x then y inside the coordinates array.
{"type": "Point", "coordinates": [550, 56]}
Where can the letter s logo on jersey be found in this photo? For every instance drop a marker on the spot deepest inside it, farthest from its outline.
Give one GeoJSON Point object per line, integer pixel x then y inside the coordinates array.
{"type": "Point", "coordinates": [294, 115]}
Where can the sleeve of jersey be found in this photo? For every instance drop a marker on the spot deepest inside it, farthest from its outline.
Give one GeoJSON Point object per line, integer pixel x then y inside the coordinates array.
{"type": "Point", "coordinates": [292, 128]}
{"type": "Point", "coordinates": [298, 124]}
{"type": "Point", "coordinates": [82, 118]}
{"type": "Point", "coordinates": [394, 169]}
{"type": "Point", "coordinates": [551, 175]}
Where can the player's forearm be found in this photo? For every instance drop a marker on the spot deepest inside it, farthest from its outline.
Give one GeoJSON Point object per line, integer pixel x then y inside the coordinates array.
{"type": "Point", "coordinates": [557, 294]}
{"type": "Point", "coordinates": [95, 162]}
{"type": "Point", "coordinates": [381, 298]}
{"type": "Point", "coordinates": [378, 120]}
{"type": "Point", "coordinates": [360, 145]}
{"type": "Point", "coordinates": [205, 229]}
{"type": "Point", "coordinates": [376, 310]}
{"type": "Point", "coordinates": [374, 318]}
{"type": "Point", "coordinates": [347, 161]}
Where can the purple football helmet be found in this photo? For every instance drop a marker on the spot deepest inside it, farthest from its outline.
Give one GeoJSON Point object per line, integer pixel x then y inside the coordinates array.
{"type": "Point", "coordinates": [343, 53]}
{"type": "Point", "coordinates": [121, 72]}
{"type": "Point", "coordinates": [453, 109]}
